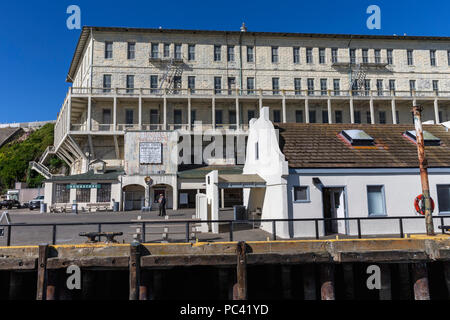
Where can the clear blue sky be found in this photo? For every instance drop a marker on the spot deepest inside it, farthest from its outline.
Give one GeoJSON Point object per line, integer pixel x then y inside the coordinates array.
{"type": "Point", "coordinates": [36, 48]}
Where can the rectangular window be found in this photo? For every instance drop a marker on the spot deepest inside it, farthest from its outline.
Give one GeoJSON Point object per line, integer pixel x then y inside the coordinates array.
{"type": "Point", "coordinates": [376, 200]}
{"type": "Point", "coordinates": [217, 85]}
{"type": "Point", "coordinates": [250, 85]}
{"type": "Point", "coordinates": [177, 116]}
{"type": "Point", "coordinates": [310, 83]}
{"type": "Point", "coordinates": [352, 54]}
{"type": "Point", "coordinates": [106, 116]}
{"type": "Point", "coordinates": [357, 116]}
{"type": "Point", "coordinates": [250, 54]}
{"type": "Point", "coordinates": [217, 53]}
{"type": "Point", "coordinates": [250, 115]}
{"type": "Point", "coordinates": [230, 53]}
{"type": "Point", "coordinates": [412, 86]}
{"type": "Point", "coordinates": [440, 117]}
{"type": "Point", "coordinates": [129, 116]}
{"type": "Point", "coordinates": [443, 193]}
{"type": "Point", "coordinates": [397, 115]}
{"type": "Point", "coordinates": [104, 193]}
{"type": "Point", "coordinates": [324, 116]}
{"type": "Point", "coordinates": [154, 118]}
{"type": "Point", "coordinates": [377, 56]}
{"type": "Point", "coordinates": [321, 55]}
{"type": "Point", "coordinates": [131, 53]}
{"type": "Point", "coordinates": [276, 116]}
{"type": "Point", "coordinates": [367, 87]}
{"type": "Point", "coordinates": [276, 86]}
{"type": "Point", "coordinates": [106, 83]}
{"type": "Point", "coordinates": [334, 55]}
{"type": "Point", "coordinates": [83, 195]}
{"type": "Point", "coordinates": [178, 54]}
{"type": "Point", "coordinates": [365, 55]}
{"type": "Point", "coordinates": [191, 52]}
{"type": "Point", "coordinates": [309, 56]}
{"type": "Point", "coordinates": [130, 84]}
{"type": "Point", "coordinates": [392, 86]}
{"type": "Point", "coordinates": [382, 115]}
{"type": "Point", "coordinates": [154, 52]}
{"type": "Point", "coordinates": [298, 86]}
{"type": "Point", "coordinates": [380, 87]}
{"type": "Point", "coordinates": [368, 117]}
{"type": "Point", "coordinates": [191, 84]}
{"type": "Point", "coordinates": [232, 118]}
{"type": "Point", "coordinates": [166, 50]}
{"type": "Point", "coordinates": [301, 194]}
{"type": "Point", "coordinates": [410, 58]}
{"type": "Point", "coordinates": [323, 87]}
{"type": "Point", "coordinates": [337, 87]}
{"type": "Point", "coordinates": [274, 54]}
{"type": "Point", "coordinates": [193, 116]}
{"type": "Point", "coordinates": [436, 86]}
{"type": "Point", "coordinates": [299, 116]}
{"type": "Point", "coordinates": [108, 50]}
{"type": "Point", "coordinates": [176, 84]}
{"type": "Point", "coordinates": [219, 118]}
{"type": "Point", "coordinates": [231, 85]}
{"type": "Point", "coordinates": [312, 116]}
{"type": "Point", "coordinates": [338, 116]}
{"type": "Point", "coordinates": [390, 56]}
{"type": "Point", "coordinates": [296, 53]}
{"type": "Point", "coordinates": [153, 84]}
{"type": "Point", "coordinates": [62, 193]}
{"type": "Point", "coordinates": [433, 57]}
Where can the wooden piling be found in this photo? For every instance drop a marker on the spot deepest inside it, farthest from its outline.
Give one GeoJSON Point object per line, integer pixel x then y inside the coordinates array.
{"type": "Point", "coordinates": [420, 278]}
{"type": "Point", "coordinates": [224, 284]}
{"type": "Point", "coordinates": [52, 284]}
{"type": "Point", "coordinates": [385, 291]}
{"type": "Point", "coordinates": [240, 293]}
{"type": "Point", "coordinates": [42, 272]}
{"type": "Point", "coordinates": [286, 275]}
{"type": "Point", "coordinates": [144, 285]}
{"type": "Point", "coordinates": [135, 270]}
{"type": "Point", "coordinates": [349, 280]}
{"type": "Point", "coordinates": [309, 282]}
{"type": "Point", "coordinates": [404, 281]}
{"type": "Point", "coordinates": [327, 281]}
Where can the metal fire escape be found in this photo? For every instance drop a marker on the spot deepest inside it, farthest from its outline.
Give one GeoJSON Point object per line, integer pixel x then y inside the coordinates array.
{"type": "Point", "coordinates": [173, 71]}
{"type": "Point", "coordinates": [358, 76]}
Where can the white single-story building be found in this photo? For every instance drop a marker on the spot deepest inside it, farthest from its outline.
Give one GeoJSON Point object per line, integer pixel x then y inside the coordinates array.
{"type": "Point", "coordinates": [343, 171]}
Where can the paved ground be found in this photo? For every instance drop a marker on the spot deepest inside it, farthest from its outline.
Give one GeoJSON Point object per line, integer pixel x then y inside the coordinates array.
{"type": "Point", "coordinates": [32, 235]}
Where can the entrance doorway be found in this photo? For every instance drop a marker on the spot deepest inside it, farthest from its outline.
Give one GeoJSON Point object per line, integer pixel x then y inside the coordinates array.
{"type": "Point", "coordinates": [134, 197]}
{"type": "Point", "coordinates": [334, 207]}
{"type": "Point", "coordinates": [158, 193]}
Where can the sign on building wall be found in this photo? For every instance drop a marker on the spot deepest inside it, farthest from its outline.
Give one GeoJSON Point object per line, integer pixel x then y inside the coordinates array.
{"type": "Point", "coordinates": [150, 153]}
{"type": "Point", "coordinates": [84, 186]}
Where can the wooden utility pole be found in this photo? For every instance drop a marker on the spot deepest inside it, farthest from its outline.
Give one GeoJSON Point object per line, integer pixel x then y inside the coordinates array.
{"type": "Point", "coordinates": [423, 164]}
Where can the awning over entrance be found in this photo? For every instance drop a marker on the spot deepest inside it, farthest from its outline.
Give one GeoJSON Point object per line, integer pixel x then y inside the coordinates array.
{"type": "Point", "coordinates": [230, 181]}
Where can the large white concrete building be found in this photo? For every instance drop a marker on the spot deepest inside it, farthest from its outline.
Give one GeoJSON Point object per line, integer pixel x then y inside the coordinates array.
{"type": "Point", "coordinates": [144, 83]}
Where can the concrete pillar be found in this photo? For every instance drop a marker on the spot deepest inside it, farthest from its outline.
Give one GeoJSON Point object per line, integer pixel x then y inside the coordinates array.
{"type": "Point", "coordinates": [372, 112]}
{"type": "Point", "coordinates": [89, 114]}
{"type": "Point", "coordinates": [115, 113]}
{"type": "Point", "coordinates": [213, 114]}
{"type": "Point", "coordinates": [237, 112]}
{"type": "Point", "coordinates": [284, 106]}
{"type": "Point", "coordinates": [140, 112]}
{"type": "Point", "coordinates": [260, 100]}
{"type": "Point", "coordinates": [222, 198]}
{"type": "Point", "coordinates": [330, 116]}
{"type": "Point", "coordinates": [436, 111]}
{"type": "Point", "coordinates": [189, 117]}
{"type": "Point", "coordinates": [352, 111]}
{"type": "Point", "coordinates": [165, 111]}
{"type": "Point", "coordinates": [306, 110]}
{"type": "Point", "coordinates": [175, 197]}
{"type": "Point", "coordinates": [69, 111]}
{"type": "Point", "coordinates": [394, 113]}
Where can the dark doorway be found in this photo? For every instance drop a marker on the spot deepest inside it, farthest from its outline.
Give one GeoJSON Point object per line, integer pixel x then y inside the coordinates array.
{"type": "Point", "coordinates": [333, 207]}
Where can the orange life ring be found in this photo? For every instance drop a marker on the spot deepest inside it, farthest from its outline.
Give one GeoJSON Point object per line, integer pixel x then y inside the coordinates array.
{"type": "Point", "coordinates": [419, 209]}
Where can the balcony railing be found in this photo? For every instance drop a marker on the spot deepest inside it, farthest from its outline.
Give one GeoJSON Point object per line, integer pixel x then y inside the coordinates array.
{"type": "Point", "coordinates": [155, 127]}
{"type": "Point", "coordinates": [253, 93]}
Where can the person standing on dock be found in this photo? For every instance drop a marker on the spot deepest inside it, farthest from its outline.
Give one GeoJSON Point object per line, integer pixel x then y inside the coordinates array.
{"type": "Point", "coordinates": [162, 205]}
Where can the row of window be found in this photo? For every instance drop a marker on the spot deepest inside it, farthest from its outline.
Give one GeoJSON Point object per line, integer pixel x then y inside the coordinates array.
{"type": "Point", "coordinates": [376, 198]}
{"type": "Point", "coordinates": [231, 85]}
{"type": "Point", "coordinates": [62, 194]}
{"type": "Point", "coordinates": [275, 57]}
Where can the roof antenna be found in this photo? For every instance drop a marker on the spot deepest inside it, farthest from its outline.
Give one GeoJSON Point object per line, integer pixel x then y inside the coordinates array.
{"type": "Point", "coordinates": [243, 27]}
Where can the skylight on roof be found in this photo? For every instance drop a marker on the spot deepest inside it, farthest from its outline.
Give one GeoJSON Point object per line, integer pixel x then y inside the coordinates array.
{"type": "Point", "coordinates": [430, 140]}
{"type": "Point", "coordinates": [357, 138]}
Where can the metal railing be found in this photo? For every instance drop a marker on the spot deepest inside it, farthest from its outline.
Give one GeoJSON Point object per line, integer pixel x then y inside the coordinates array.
{"type": "Point", "coordinates": [231, 223]}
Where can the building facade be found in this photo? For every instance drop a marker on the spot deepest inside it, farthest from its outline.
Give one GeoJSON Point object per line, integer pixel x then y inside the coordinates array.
{"type": "Point", "coordinates": [157, 80]}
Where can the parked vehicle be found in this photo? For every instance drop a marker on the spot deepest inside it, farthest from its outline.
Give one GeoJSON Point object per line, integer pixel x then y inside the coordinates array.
{"type": "Point", "coordinates": [10, 203]}
{"type": "Point", "coordinates": [36, 203]}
